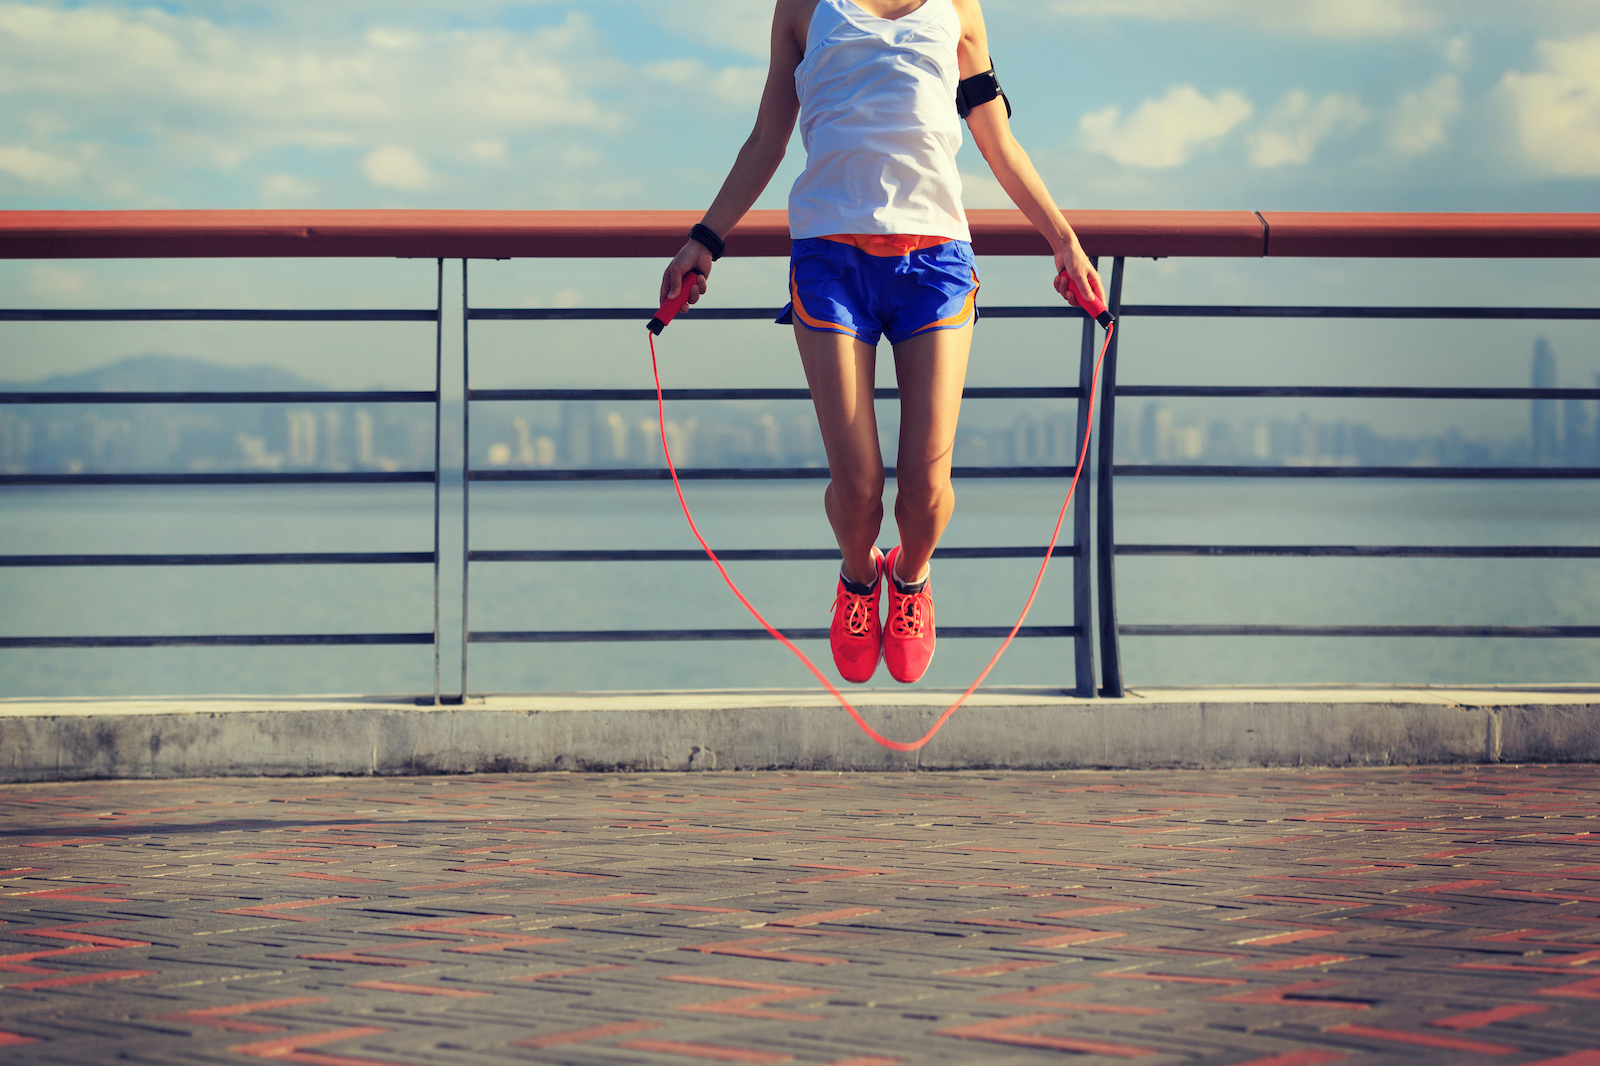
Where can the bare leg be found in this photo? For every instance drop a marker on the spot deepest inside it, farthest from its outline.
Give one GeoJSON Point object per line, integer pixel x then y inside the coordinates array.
{"type": "Point", "coordinates": [840, 371]}
{"type": "Point", "coordinates": [932, 369]}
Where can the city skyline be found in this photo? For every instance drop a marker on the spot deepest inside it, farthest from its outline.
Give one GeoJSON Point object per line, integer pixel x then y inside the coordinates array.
{"type": "Point", "coordinates": [584, 434]}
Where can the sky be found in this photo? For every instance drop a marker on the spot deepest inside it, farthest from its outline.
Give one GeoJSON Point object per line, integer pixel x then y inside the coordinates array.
{"type": "Point", "coordinates": [1309, 104]}
{"type": "Point", "coordinates": [1388, 105]}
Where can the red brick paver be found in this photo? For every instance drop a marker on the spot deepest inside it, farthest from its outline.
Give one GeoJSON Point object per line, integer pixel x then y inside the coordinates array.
{"type": "Point", "coordinates": [1273, 918]}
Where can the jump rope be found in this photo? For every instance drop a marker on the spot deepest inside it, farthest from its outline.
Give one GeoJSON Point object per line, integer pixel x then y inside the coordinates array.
{"type": "Point", "coordinates": [670, 309]}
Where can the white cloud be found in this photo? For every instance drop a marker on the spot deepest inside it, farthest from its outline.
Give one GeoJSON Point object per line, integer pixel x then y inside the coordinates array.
{"type": "Point", "coordinates": [1556, 110]}
{"type": "Point", "coordinates": [731, 85]}
{"type": "Point", "coordinates": [23, 162]}
{"type": "Point", "coordinates": [737, 25]}
{"type": "Point", "coordinates": [580, 156]}
{"type": "Point", "coordinates": [280, 187]}
{"type": "Point", "coordinates": [1164, 133]}
{"type": "Point", "coordinates": [397, 168]}
{"type": "Point", "coordinates": [160, 93]}
{"type": "Point", "coordinates": [1295, 128]}
{"type": "Point", "coordinates": [379, 37]}
{"type": "Point", "coordinates": [489, 151]}
{"type": "Point", "coordinates": [1458, 52]}
{"type": "Point", "coordinates": [1422, 119]}
{"type": "Point", "coordinates": [1324, 18]}
{"type": "Point", "coordinates": [50, 280]}
{"type": "Point", "coordinates": [981, 190]}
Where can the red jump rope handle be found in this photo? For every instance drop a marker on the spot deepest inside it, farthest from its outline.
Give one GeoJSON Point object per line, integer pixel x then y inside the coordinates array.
{"type": "Point", "coordinates": [671, 308]}
{"type": "Point", "coordinates": [1092, 305]}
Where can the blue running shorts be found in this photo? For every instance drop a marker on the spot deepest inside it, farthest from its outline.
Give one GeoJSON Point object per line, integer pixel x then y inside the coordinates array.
{"type": "Point", "coordinates": [837, 285]}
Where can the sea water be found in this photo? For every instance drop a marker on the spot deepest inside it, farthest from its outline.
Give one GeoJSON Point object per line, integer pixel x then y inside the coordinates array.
{"type": "Point", "coordinates": [536, 596]}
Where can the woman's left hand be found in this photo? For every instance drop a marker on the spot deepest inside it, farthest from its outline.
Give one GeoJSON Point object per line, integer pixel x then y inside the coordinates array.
{"type": "Point", "coordinates": [1071, 258]}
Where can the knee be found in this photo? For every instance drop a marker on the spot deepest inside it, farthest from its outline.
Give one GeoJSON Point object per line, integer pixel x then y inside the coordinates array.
{"type": "Point", "coordinates": [858, 494]}
{"type": "Point", "coordinates": [924, 495]}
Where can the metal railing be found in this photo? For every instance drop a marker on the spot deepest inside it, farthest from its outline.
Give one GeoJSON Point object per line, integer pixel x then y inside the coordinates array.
{"type": "Point", "coordinates": [1080, 631]}
{"type": "Point", "coordinates": [1111, 630]}
{"type": "Point", "coordinates": [467, 235]}
{"type": "Point", "coordinates": [434, 315]}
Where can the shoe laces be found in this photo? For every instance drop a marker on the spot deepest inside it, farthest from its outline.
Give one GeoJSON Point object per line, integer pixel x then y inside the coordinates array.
{"type": "Point", "coordinates": [858, 612]}
{"type": "Point", "coordinates": [907, 615]}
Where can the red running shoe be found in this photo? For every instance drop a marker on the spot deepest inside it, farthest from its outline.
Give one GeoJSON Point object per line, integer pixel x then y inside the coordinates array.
{"type": "Point", "coordinates": [909, 636]}
{"type": "Point", "coordinates": [856, 635]}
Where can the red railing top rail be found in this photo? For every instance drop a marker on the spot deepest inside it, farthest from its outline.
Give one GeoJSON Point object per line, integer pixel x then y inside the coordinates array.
{"type": "Point", "coordinates": [658, 234]}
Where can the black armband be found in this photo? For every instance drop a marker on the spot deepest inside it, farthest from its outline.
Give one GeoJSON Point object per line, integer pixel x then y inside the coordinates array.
{"type": "Point", "coordinates": [980, 89]}
{"type": "Point", "coordinates": [708, 237]}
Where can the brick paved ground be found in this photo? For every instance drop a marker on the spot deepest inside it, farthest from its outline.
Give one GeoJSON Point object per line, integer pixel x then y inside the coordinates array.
{"type": "Point", "coordinates": [1277, 917]}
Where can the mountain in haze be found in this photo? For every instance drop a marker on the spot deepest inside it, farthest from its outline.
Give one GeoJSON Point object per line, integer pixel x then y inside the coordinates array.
{"type": "Point", "coordinates": [154, 372]}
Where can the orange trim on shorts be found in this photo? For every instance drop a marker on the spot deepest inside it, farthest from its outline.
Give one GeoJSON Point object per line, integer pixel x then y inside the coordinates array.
{"type": "Point", "coordinates": [959, 317]}
{"type": "Point", "coordinates": [814, 323]}
{"type": "Point", "coordinates": [887, 245]}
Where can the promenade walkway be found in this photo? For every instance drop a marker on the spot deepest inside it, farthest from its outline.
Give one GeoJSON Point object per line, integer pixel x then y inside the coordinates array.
{"type": "Point", "coordinates": [1291, 918]}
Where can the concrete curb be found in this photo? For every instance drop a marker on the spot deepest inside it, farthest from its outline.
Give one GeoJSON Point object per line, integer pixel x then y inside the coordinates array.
{"type": "Point", "coordinates": [1214, 728]}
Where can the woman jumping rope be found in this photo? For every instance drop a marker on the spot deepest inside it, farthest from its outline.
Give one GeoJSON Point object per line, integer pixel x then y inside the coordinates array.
{"type": "Point", "coordinates": [881, 248]}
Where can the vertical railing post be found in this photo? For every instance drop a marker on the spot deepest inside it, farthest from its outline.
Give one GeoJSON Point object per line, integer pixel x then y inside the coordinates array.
{"type": "Point", "coordinates": [1106, 539]}
{"type": "Point", "coordinates": [466, 469]}
{"type": "Point", "coordinates": [1082, 565]}
{"type": "Point", "coordinates": [438, 463]}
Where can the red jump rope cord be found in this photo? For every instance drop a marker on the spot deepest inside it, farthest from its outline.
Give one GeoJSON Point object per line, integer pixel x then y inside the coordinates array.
{"type": "Point", "coordinates": [892, 745]}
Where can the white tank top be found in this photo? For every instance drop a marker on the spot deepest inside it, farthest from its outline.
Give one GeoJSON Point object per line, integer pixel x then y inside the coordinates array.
{"type": "Point", "coordinates": [879, 124]}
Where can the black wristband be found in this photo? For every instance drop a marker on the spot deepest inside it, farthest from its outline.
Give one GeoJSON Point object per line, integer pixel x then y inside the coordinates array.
{"type": "Point", "coordinates": [707, 237]}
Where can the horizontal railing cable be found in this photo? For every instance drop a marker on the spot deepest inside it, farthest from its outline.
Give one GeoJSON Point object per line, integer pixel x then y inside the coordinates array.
{"type": "Point", "coordinates": [1365, 551]}
{"type": "Point", "coordinates": [757, 473]}
{"type": "Point", "coordinates": [248, 559]}
{"type": "Point", "coordinates": [647, 636]}
{"type": "Point", "coordinates": [728, 314]}
{"type": "Point", "coordinates": [228, 640]}
{"type": "Point", "coordinates": [1274, 311]}
{"type": "Point", "coordinates": [374, 477]}
{"type": "Point", "coordinates": [975, 392]}
{"type": "Point", "coordinates": [971, 393]}
{"type": "Point", "coordinates": [301, 396]}
{"type": "Point", "coordinates": [1447, 473]}
{"type": "Point", "coordinates": [207, 314]}
{"type": "Point", "coordinates": [707, 314]}
{"type": "Point", "coordinates": [676, 555]}
{"type": "Point", "coordinates": [1357, 392]}
{"type": "Point", "coordinates": [1537, 632]}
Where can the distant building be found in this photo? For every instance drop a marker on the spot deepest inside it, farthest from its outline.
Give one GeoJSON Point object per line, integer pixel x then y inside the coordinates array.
{"type": "Point", "coordinates": [1544, 435]}
{"type": "Point", "coordinates": [525, 453]}
{"type": "Point", "coordinates": [302, 437]}
{"type": "Point", "coordinates": [1577, 439]}
{"type": "Point", "coordinates": [16, 442]}
{"type": "Point", "coordinates": [1149, 431]}
{"type": "Point", "coordinates": [1025, 441]}
{"type": "Point", "coordinates": [332, 434]}
{"type": "Point", "coordinates": [577, 433]}
{"type": "Point", "coordinates": [615, 436]}
{"type": "Point", "coordinates": [366, 447]}
{"type": "Point", "coordinates": [680, 438]}
{"type": "Point", "coordinates": [768, 438]}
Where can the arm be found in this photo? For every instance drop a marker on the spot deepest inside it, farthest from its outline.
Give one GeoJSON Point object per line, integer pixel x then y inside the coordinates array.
{"type": "Point", "coordinates": [991, 131]}
{"type": "Point", "coordinates": [762, 152]}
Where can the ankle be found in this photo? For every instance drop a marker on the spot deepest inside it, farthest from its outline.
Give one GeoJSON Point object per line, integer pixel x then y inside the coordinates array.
{"type": "Point", "coordinates": [909, 587]}
{"type": "Point", "coordinates": [853, 581]}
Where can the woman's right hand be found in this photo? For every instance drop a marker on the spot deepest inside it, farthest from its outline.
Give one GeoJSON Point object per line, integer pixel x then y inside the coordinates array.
{"type": "Point", "coordinates": [1071, 262]}
{"type": "Point", "coordinates": [693, 256]}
